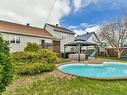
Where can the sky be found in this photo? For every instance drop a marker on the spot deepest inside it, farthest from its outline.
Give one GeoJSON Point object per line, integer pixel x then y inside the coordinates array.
{"type": "Point", "coordinates": [78, 15]}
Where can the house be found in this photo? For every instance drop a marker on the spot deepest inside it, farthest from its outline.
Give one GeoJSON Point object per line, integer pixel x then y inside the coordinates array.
{"type": "Point", "coordinates": [88, 37]}
{"type": "Point", "coordinates": [61, 33]}
{"type": "Point", "coordinates": [19, 35]}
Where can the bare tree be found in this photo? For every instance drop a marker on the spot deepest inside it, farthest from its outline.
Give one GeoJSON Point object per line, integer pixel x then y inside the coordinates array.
{"type": "Point", "coordinates": [115, 34]}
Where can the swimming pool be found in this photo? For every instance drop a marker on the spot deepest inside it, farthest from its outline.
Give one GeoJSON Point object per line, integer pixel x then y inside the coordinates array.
{"type": "Point", "coordinates": [107, 70]}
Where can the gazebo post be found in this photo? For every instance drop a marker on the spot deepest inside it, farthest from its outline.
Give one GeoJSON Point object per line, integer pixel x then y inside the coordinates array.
{"type": "Point", "coordinates": [79, 47]}
{"type": "Point", "coordinates": [97, 50]}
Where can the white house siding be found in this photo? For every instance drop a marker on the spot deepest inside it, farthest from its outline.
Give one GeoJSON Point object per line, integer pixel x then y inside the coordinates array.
{"type": "Point", "coordinates": [93, 39]}
{"type": "Point", "coordinates": [67, 38]}
{"type": "Point", "coordinates": [59, 34]}
{"type": "Point", "coordinates": [24, 39]}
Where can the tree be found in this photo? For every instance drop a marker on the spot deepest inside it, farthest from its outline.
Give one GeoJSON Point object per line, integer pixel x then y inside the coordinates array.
{"type": "Point", "coordinates": [115, 34]}
{"type": "Point", "coordinates": [6, 67]}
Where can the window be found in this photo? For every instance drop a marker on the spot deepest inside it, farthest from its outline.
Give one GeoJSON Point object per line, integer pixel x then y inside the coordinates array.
{"type": "Point", "coordinates": [14, 39]}
{"type": "Point", "coordinates": [17, 39]}
{"type": "Point", "coordinates": [11, 39]}
{"type": "Point", "coordinates": [64, 37]}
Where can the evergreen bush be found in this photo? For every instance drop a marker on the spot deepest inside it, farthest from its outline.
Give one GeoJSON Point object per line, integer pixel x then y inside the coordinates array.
{"type": "Point", "coordinates": [6, 67]}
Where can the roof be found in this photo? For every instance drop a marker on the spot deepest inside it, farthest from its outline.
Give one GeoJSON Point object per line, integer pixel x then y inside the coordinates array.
{"type": "Point", "coordinates": [82, 43]}
{"type": "Point", "coordinates": [84, 37]}
{"type": "Point", "coordinates": [61, 29]}
{"type": "Point", "coordinates": [10, 27]}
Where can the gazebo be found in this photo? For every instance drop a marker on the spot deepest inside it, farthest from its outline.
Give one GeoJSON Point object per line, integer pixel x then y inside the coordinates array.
{"type": "Point", "coordinates": [79, 44]}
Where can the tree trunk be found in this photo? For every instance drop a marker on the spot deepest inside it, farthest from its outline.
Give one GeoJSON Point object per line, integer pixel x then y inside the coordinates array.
{"type": "Point", "coordinates": [119, 54]}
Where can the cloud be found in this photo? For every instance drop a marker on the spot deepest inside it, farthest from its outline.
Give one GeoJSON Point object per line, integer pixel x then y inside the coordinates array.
{"type": "Point", "coordinates": [84, 27]}
{"type": "Point", "coordinates": [93, 29]}
{"type": "Point", "coordinates": [80, 26]}
{"type": "Point", "coordinates": [34, 12]}
{"type": "Point", "coordinates": [101, 4]}
{"type": "Point", "coordinates": [79, 32]}
{"type": "Point", "coordinates": [77, 4]}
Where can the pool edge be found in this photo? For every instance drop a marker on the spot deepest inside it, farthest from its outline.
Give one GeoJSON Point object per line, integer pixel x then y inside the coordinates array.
{"type": "Point", "coordinates": [93, 78]}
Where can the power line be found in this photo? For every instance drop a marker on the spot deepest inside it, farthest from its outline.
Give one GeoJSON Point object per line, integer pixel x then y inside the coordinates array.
{"type": "Point", "coordinates": [50, 11]}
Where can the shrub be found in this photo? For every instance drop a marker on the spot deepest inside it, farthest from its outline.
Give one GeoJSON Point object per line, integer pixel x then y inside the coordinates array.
{"type": "Point", "coordinates": [32, 47]}
{"type": "Point", "coordinates": [34, 68]}
{"type": "Point", "coordinates": [43, 55]}
{"type": "Point", "coordinates": [29, 63]}
{"type": "Point", "coordinates": [48, 56]}
{"type": "Point", "coordinates": [26, 57]}
{"type": "Point", "coordinates": [6, 67]}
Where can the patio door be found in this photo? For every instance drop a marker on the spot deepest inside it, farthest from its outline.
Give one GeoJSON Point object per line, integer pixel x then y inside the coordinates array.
{"type": "Point", "coordinates": [56, 46]}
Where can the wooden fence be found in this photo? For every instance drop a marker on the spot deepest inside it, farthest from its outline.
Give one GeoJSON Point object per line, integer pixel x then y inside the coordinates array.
{"type": "Point", "coordinates": [112, 53]}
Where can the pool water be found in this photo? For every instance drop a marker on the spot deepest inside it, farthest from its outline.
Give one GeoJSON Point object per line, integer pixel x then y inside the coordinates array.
{"type": "Point", "coordinates": [106, 70]}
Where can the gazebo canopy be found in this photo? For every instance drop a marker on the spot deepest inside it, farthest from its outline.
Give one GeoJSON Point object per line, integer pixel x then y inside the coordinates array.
{"type": "Point", "coordinates": [81, 43]}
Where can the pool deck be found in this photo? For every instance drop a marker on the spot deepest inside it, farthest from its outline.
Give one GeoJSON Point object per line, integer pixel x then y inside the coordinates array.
{"type": "Point", "coordinates": [93, 61]}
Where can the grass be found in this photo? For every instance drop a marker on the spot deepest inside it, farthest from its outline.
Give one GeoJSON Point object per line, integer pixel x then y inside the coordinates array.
{"type": "Point", "coordinates": [52, 85]}
{"type": "Point", "coordinates": [115, 58]}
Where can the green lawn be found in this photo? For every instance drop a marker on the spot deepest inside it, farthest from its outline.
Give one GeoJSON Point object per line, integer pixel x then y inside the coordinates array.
{"type": "Point", "coordinates": [53, 85]}
{"type": "Point", "coordinates": [115, 58]}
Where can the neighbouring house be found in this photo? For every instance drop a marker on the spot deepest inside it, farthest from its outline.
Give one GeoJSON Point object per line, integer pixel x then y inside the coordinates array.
{"type": "Point", "coordinates": [19, 35]}
{"type": "Point", "coordinates": [61, 33]}
{"type": "Point", "coordinates": [88, 37]}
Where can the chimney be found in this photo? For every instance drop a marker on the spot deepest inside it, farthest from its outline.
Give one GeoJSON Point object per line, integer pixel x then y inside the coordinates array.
{"type": "Point", "coordinates": [57, 25]}
{"type": "Point", "coordinates": [27, 24]}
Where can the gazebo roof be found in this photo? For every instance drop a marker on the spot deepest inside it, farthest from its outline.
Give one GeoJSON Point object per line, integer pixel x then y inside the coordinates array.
{"type": "Point", "coordinates": [82, 43]}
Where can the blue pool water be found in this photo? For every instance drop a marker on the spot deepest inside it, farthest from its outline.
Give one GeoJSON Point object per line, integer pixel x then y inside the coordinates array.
{"type": "Point", "coordinates": [106, 70]}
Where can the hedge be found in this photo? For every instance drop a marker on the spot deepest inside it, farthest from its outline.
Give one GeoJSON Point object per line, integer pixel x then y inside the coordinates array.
{"type": "Point", "coordinates": [43, 55]}
{"type": "Point", "coordinates": [34, 68]}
